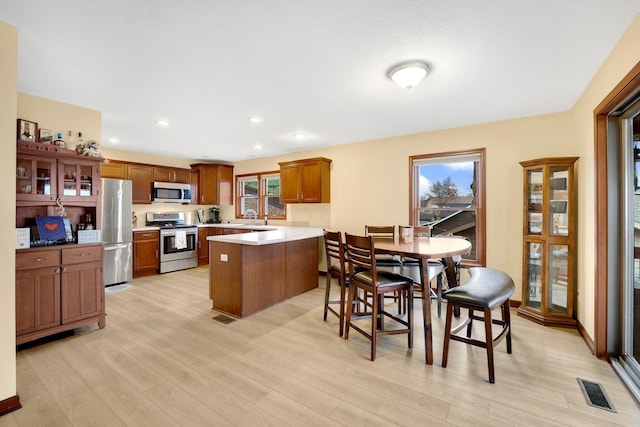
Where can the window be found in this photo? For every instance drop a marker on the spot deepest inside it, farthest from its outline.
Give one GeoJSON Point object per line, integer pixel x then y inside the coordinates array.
{"type": "Point", "coordinates": [261, 193]}
{"type": "Point", "coordinates": [448, 194]}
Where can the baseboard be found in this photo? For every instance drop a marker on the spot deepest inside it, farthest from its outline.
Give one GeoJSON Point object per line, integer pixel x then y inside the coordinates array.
{"type": "Point", "coordinates": [585, 336]}
{"type": "Point", "coordinates": [514, 303]}
{"type": "Point", "coordinates": [10, 404]}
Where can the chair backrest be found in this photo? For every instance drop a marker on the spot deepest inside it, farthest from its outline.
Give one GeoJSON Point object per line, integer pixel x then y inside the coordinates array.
{"type": "Point", "coordinates": [335, 251]}
{"type": "Point", "coordinates": [381, 232]}
{"type": "Point", "coordinates": [422, 231]}
{"type": "Point", "coordinates": [360, 253]}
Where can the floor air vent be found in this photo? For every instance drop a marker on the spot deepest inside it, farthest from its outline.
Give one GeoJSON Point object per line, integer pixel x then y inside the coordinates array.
{"type": "Point", "coordinates": [595, 395]}
{"type": "Point", "coordinates": [223, 319]}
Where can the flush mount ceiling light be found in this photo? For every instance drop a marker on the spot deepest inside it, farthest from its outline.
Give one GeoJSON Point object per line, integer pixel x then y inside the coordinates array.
{"type": "Point", "coordinates": [409, 74]}
{"type": "Point", "coordinates": [300, 136]}
{"type": "Point", "coordinates": [163, 123]}
{"type": "Point", "coordinates": [256, 119]}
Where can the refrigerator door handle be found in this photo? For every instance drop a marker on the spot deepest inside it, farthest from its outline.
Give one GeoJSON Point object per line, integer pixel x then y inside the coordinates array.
{"type": "Point", "coordinates": [113, 247]}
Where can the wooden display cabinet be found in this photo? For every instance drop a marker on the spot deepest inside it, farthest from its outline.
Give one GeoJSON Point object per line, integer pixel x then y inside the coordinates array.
{"type": "Point", "coordinates": [549, 243]}
{"type": "Point", "coordinates": [305, 181]}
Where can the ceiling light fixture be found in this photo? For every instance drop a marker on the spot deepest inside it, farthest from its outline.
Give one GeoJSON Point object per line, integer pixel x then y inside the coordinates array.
{"type": "Point", "coordinates": [114, 140]}
{"type": "Point", "coordinates": [256, 119]}
{"type": "Point", "coordinates": [409, 74]}
{"type": "Point", "coordinates": [300, 136]}
{"type": "Point", "coordinates": [163, 123]}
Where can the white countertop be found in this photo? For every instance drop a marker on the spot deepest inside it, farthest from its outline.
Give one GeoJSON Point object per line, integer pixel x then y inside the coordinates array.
{"type": "Point", "coordinates": [275, 234]}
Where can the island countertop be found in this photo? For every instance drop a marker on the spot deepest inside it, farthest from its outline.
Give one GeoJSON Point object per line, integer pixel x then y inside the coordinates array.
{"type": "Point", "coordinates": [266, 234]}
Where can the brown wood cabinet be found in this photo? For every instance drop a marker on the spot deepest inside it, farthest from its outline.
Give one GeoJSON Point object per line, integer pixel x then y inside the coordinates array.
{"type": "Point", "coordinates": [215, 183]}
{"type": "Point", "coordinates": [203, 243]}
{"type": "Point", "coordinates": [306, 181]}
{"type": "Point", "coordinates": [549, 239]}
{"type": "Point", "coordinates": [244, 279]}
{"type": "Point", "coordinates": [114, 169]}
{"type": "Point", "coordinates": [141, 182]}
{"type": "Point", "coordinates": [58, 288]}
{"type": "Point", "coordinates": [146, 252]}
{"type": "Point", "coordinates": [48, 176]}
{"type": "Point", "coordinates": [165, 174]}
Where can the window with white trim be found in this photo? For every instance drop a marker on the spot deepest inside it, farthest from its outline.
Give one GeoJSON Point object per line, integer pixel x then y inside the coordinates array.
{"type": "Point", "coordinates": [261, 193]}
{"type": "Point", "coordinates": [448, 194]}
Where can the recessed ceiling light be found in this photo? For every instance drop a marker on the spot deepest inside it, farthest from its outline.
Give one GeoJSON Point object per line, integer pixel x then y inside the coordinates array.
{"type": "Point", "coordinates": [114, 140]}
{"type": "Point", "coordinates": [300, 136]}
{"type": "Point", "coordinates": [257, 147]}
{"type": "Point", "coordinates": [162, 123]}
{"type": "Point", "coordinates": [256, 119]}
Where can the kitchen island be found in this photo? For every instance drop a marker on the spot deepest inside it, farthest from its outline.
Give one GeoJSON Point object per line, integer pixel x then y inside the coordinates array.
{"type": "Point", "coordinates": [251, 271]}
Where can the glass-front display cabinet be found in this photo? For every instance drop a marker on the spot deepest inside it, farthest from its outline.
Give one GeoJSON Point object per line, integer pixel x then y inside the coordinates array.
{"type": "Point", "coordinates": [549, 242]}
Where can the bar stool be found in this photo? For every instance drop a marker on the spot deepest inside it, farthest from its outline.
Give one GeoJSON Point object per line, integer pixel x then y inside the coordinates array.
{"type": "Point", "coordinates": [336, 269]}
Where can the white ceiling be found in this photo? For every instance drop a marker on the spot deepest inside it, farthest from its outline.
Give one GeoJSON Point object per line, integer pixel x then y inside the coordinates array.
{"type": "Point", "coordinates": [317, 67]}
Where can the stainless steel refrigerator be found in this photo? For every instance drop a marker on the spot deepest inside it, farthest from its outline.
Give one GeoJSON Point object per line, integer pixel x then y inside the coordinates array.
{"type": "Point", "coordinates": [117, 231]}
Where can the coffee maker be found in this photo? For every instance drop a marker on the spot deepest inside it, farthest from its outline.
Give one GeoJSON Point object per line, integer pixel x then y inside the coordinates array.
{"type": "Point", "coordinates": [214, 216]}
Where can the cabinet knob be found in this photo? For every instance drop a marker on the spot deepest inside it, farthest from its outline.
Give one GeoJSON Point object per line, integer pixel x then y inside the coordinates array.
{"type": "Point", "coordinates": [38, 259]}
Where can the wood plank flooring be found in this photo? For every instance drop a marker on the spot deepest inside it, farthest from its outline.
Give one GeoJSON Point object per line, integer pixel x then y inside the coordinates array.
{"type": "Point", "coordinates": [163, 361]}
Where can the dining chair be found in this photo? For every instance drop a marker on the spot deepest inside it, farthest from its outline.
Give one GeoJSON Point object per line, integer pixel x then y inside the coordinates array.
{"type": "Point", "coordinates": [435, 268]}
{"type": "Point", "coordinates": [384, 233]}
{"type": "Point", "coordinates": [336, 269]}
{"type": "Point", "coordinates": [364, 274]}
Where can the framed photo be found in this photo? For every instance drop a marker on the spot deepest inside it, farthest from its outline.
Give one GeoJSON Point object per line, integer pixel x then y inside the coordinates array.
{"type": "Point", "coordinates": [27, 131]}
{"type": "Point", "coordinates": [45, 136]}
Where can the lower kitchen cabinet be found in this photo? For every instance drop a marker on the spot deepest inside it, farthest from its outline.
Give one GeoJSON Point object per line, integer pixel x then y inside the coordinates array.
{"type": "Point", "coordinates": [58, 289]}
{"type": "Point", "coordinates": [203, 244]}
{"type": "Point", "coordinates": [146, 252]}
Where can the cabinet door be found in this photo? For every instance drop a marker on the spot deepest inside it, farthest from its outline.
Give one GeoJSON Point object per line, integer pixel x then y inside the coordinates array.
{"type": "Point", "coordinates": [140, 177]}
{"type": "Point", "coordinates": [290, 183]}
{"type": "Point", "coordinates": [146, 251]}
{"type": "Point", "coordinates": [114, 170]}
{"type": "Point", "coordinates": [82, 290]}
{"type": "Point", "coordinates": [36, 178]}
{"type": "Point", "coordinates": [37, 299]}
{"type": "Point", "coordinates": [162, 174]}
{"type": "Point", "coordinates": [310, 182]}
{"type": "Point", "coordinates": [78, 180]}
{"type": "Point", "coordinates": [203, 245]}
{"type": "Point", "coordinates": [182, 176]}
{"type": "Point", "coordinates": [225, 185]}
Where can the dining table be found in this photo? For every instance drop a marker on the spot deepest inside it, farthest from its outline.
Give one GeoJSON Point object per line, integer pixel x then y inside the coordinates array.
{"type": "Point", "coordinates": [424, 249]}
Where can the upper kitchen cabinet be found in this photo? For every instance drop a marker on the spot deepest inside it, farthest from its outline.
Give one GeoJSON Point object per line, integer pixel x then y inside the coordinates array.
{"type": "Point", "coordinates": [215, 183]}
{"type": "Point", "coordinates": [141, 179]}
{"type": "Point", "coordinates": [113, 169]}
{"type": "Point", "coordinates": [164, 174]}
{"type": "Point", "coordinates": [306, 181]}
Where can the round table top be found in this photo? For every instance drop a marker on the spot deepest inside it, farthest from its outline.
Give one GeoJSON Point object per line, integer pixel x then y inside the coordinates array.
{"type": "Point", "coordinates": [426, 247]}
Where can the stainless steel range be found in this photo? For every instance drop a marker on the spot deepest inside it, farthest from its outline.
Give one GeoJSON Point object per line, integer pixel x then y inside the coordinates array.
{"type": "Point", "coordinates": [178, 241]}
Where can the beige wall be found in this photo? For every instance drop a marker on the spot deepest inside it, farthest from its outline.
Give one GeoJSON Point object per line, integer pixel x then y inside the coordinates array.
{"type": "Point", "coordinates": [8, 116]}
{"type": "Point", "coordinates": [621, 60]}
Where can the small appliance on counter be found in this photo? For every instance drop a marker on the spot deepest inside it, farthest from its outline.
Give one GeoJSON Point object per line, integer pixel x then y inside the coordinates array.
{"type": "Point", "coordinates": [199, 216]}
{"type": "Point", "coordinates": [214, 216]}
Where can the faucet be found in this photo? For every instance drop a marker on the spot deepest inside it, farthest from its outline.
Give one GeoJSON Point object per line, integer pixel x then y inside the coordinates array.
{"type": "Point", "coordinates": [251, 212]}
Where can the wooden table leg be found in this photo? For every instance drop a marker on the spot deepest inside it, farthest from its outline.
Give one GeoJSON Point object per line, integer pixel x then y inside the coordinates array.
{"type": "Point", "coordinates": [426, 311]}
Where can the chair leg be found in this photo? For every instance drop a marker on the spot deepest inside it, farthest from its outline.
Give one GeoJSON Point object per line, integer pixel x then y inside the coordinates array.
{"type": "Point", "coordinates": [326, 295]}
{"type": "Point", "coordinates": [374, 323]}
{"type": "Point", "coordinates": [410, 315]}
{"type": "Point", "coordinates": [489, 342]}
{"type": "Point", "coordinates": [447, 334]}
{"type": "Point", "coordinates": [470, 324]}
{"type": "Point", "coordinates": [342, 304]}
{"type": "Point", "coordinates": [506, 317]}
{"type": "Point", "coordinates": [352, 291]}
{"type": "Point", "coordinates": [439, 293]}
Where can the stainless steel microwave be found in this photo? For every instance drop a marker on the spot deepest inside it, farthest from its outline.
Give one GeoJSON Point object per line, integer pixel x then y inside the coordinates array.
{"type": "Point", "coordinates": [171, 192]}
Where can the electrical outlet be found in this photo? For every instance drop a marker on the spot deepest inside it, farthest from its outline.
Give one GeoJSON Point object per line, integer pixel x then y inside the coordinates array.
{"type": "Point", "coordinates": [224, 257]}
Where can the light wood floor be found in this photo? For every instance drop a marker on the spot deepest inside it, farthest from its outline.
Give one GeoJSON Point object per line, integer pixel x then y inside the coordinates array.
{"type": "Point", "coordinates": [162, 360]}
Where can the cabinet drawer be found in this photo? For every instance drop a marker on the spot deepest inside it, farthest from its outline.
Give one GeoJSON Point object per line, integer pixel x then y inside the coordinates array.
{"type": "Point", "coordinates": [146, 235]}
{"type": "Point", "coordinates": [37, 259]}
{"type": "Point", "coordinates": [81, 254]}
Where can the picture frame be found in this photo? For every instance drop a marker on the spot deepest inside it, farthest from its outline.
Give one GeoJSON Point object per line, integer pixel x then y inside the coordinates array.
{"type": "Point", "coordinates": [45, 136]}
{"type": "Point", "coordinates": [27, 130]}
